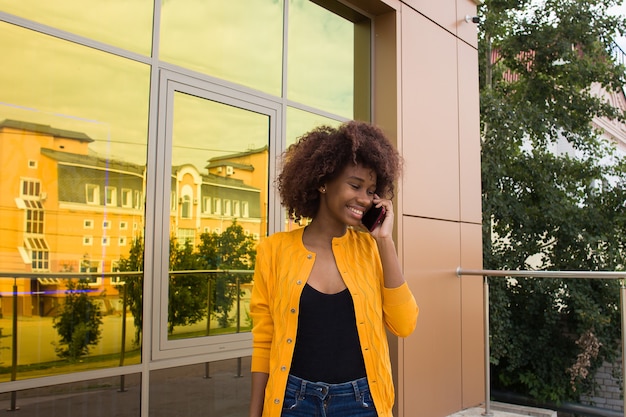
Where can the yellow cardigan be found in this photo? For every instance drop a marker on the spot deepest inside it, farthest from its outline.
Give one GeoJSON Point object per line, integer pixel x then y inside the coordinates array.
{"type": "Point", "coordinates": [283, 265]}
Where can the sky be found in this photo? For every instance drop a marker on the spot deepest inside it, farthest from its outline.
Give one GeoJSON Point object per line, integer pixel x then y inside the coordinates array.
{"type": "Point", "coordinates": [621, 10]}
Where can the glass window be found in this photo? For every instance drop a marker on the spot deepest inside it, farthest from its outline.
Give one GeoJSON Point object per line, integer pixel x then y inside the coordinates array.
{"type": "Point", "coordinates": [82, 114]}
{"type": "Point", "coordinates": [299, 122]}
{"type": "Point", "coordinates": [123, 23]}
{"type": "Point", "coordinates": [185, 210]}
{"type": "Point", "coordinates": [30, 188]}
{"type": "Point", "coordinates": [206, 205]}
{"type": "Point", "coordinates": [93, 194]}
{"type": "Point", "coordinates": [328, 59]}
{"type": "Point", "coordinates": [238, 41]}
{"type": "Point", "coordinates": [127, 197]}
{"type": "Point", "coordinates": [217, 205]}
{"type": "Point", "coordinates": [113, 396]}
{"type": "Point", "coordinates": [220, 388]}
{"type": "Point", "coordinates": [208, 137]}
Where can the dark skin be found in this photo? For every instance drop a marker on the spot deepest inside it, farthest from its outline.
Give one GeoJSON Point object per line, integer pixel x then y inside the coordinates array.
{"type": "Point", "coordinates": [343, 201]}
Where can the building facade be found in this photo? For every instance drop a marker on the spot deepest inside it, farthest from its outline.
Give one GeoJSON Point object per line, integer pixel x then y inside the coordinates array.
{"type": "Point", "coordinates": [139, 143]}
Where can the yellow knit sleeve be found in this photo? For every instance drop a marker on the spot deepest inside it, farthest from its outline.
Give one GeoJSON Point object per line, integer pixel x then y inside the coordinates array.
{"type": "Point", "coordinates": [260, 312]}
{"type": "Point", "coordinates": [400, 310]}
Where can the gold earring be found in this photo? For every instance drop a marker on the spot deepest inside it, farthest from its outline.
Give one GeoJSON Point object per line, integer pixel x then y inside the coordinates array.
{"type": "Point", "coordinates": [322, 189]}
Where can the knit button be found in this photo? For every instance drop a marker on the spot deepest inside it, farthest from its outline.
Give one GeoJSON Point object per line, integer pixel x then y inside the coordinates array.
{"type": "Point", "coordinates": [309, 256]}
{"type": "Point", "coordinates": [283, 368]}
{"type": "Point", "coordinates": [276, 401]}
{"type": "Point", "coordinates": [299, 282]}
{"type": "Point", "coordinates": [293, 310]}
{"type": "Point", "coordinates": [289, 340]}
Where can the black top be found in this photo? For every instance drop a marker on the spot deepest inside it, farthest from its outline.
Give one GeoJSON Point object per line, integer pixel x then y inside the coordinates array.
{"type": "Point", "coordinates": [327, 344]}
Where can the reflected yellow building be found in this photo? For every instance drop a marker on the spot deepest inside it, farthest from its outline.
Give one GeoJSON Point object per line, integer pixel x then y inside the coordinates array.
{"type": "Point", "coordinates": [65, 209]}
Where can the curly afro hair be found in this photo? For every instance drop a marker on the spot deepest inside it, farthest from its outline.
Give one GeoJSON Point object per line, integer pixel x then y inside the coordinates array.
{"type": "Point", "coordinates": [322, 154]}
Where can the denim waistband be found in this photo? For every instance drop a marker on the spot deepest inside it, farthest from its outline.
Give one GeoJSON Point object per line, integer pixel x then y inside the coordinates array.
{"type": "Point", "coordinates": [322, 389]}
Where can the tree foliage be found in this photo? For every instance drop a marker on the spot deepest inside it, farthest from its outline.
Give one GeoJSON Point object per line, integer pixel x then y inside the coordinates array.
{"type": "Point", "coordinates": [133, 285]}
{"type": "Point", "coordinates": [230, 250]}
{"type": "Point", "coordinates": [553, 189]}
{"type": "Point", "coordinates": [189, 292]}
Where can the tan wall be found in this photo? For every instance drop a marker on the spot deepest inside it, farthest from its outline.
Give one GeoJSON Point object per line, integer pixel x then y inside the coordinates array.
{"type": "Point", "coordinates": [429, 50]}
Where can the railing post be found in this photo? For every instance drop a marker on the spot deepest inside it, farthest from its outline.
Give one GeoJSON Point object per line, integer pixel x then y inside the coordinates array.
{"type": "Point", "coordinates": [487, 348]}
{"type": "Point", "coordinates": [123, 336]}
{"type": "Point", "coordinates": [13, 406]}
{"type": "Point", "coordinates": [623, 311]}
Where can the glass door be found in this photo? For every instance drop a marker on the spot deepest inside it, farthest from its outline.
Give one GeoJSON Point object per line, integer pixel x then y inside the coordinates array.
{"type": "Point", "coordinates": [215, 185]}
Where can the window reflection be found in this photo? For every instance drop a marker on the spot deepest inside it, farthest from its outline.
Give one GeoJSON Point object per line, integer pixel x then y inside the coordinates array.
{"type": "Point", "coordinates": [300, 122]}
{"type": "Point", "coordinates": [116, 396]}
{"type": "Point", "coordinates": [73, 141]}
{"type": "Point", "coordinates": [220, 388]}
{"type": "Point", "coordinates": [123, 23]}
{"type": "Point", "coordinates": [207, 36]}
{"type": "Point", "coordinates": [328, 60]}
{"type": "Point", "coordinates": [219, 164]}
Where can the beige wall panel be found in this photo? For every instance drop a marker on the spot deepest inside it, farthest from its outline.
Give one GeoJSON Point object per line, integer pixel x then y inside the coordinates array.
{"type": "Point", "coordinates": [385, 109]}
{"type": "Point", "coordinates": [432, 354]}
{"type": "Point", "coordinates": [442, 12]}
{"type": "Point", "coordinates": [430, 131]}
{"type": "Point", "coordinates": [469, 135]}
{"type": "Point", "coordinates": [466, 31]}
{"type": "Point", "coordinates": [472, 341]}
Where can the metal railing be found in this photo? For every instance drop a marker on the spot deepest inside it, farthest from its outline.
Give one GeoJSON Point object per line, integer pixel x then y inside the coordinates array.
{"type": "Point", "coordinates": [485, 273]}
{"type": "Point", "coordinates": [119, 277]}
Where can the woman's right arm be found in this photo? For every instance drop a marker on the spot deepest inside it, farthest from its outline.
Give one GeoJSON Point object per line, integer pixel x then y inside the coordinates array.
{"type": "Point", "coordinates": [259, 381]}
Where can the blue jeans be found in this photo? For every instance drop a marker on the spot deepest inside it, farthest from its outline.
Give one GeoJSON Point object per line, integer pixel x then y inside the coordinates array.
{"type": "Point", "coordinates": [317, 399]}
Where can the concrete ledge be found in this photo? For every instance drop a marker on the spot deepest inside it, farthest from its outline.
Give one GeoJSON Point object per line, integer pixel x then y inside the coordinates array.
{"type": "Point", "coordinates": [506, 410]}
{"type": "Point", "coordinates": [523, 410]}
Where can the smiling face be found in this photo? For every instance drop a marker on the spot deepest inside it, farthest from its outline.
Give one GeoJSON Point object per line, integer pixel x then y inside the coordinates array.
{"type": "Point", "coordinates": [347, 197]}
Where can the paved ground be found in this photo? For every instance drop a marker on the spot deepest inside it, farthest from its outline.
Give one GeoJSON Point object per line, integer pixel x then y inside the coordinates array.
{"type": "Point", "coordinates": [175, 392]}
{"type": "Point", "coordinates": [505, 410]}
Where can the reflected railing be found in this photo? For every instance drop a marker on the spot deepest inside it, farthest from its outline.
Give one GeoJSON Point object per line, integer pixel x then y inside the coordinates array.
{"type": "Point", "coordinates": [485, 273]}
{"type": "Point", "coordinates": [30, 301]}
{"type": "Point", "coordinates": [213, 302]}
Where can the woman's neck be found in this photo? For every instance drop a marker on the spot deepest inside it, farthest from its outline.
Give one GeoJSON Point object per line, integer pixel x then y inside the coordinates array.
{"type": "Point", "coordinates": [322, 233]}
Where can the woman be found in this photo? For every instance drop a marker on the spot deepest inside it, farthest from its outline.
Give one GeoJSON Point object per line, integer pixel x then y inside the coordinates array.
{"type": "Point", "coordinates": [323, 294]}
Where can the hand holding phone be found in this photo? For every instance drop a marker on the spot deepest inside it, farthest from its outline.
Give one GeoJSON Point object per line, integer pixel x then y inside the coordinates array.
{"type": "Point", "coordinates": [373, 217]}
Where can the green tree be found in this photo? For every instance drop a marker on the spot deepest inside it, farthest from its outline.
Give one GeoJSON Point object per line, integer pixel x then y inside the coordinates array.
{"type": "Point", "coordinates": [133, 285]}
{"type": "Point", "coordinates": [230, 250]}
{"type": "Point", "coordinates": [78, 323]}
{"type": "Point", "coordinates": [187, 292]}
{"type": "Point", "coordinates": [550, 210]}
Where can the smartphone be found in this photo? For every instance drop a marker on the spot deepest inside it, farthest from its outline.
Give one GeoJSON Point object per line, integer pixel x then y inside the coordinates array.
{"type": "Point", "coordinates": [373, 217]}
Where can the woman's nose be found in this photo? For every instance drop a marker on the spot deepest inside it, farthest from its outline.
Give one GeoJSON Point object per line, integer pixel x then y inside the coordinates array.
{"type": "Point", "coordinates": [365, 198]}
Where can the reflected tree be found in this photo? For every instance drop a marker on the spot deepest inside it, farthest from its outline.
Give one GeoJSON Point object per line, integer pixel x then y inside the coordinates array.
{"type": "Point", "coordinates": [187, 292]}
{"type": "Point", "coordinates": [78, 323]}
{"type": "Point", "coordinates": [133, 285]}
{"type": "Point", "coordinates": [230, 250]}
